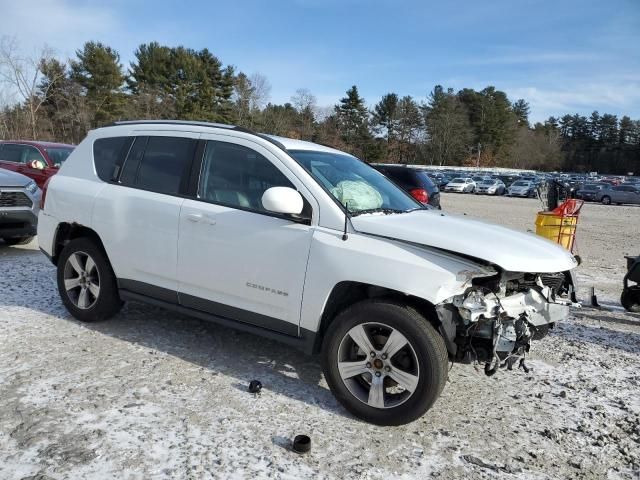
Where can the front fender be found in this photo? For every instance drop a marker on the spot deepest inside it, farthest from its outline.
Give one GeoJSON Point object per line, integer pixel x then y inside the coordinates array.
{"type": "Point", "coordinates": [422, 272]}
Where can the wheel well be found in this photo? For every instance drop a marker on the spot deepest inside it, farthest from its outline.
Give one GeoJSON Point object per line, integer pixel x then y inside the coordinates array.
{"type": "Point", "coordinates": [70, 231]}
{"type": "Point", "coordinates": [345, 294]}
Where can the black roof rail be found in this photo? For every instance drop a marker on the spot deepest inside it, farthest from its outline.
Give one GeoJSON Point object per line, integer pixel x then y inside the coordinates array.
{"type": "Point", "coordinates": [200, 124]}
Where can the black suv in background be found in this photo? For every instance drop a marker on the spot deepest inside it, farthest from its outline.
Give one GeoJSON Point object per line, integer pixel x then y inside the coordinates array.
{"type": "Point", "coordinates": [413, 180]}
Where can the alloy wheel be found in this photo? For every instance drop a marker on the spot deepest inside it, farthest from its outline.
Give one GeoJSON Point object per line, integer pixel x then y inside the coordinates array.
{"type": "Point", "coordinates": [82, 280]}
{"type": "Point", "coordinates": [378, 365]}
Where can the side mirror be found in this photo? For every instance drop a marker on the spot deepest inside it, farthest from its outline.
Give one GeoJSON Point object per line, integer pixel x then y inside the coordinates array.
{"type": "Point", "coordinates": [36, 164]}
{"type": "Point", "coordinates": [282, 200]}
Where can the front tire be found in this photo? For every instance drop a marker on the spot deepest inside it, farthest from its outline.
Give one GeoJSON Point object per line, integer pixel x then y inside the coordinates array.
{"type": "Point", "coordinates": [384, 362]}
{"type": "Point", "coordinates": [606, 200]}
{"type": "Point", "coordinates": [86, 282]}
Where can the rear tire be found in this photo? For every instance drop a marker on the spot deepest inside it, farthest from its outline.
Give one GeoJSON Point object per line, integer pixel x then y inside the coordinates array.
{"type": "Point", "coordinates": [606, 200]}
{"type": "Point", "coordinates": [18, 240]}
{"type": "Point", "coordinates": [418, 369]}
{"type": "Point", "coordinates": [86, 282]}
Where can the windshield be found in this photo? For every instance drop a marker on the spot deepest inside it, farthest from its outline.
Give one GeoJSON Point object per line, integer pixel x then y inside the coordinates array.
{"type": "Point", "coordinates": [59, 155]}
{"type": "Point", "coordinates": [521, 184]}
{"type": "Point", "coordinates": [354, 183]}
{"type": "Point", "coordinates": [488, 182]}
{"type": "Point", "coordinates": [591, 187]}
{"type": "Point", "coordinates": [457, 180]}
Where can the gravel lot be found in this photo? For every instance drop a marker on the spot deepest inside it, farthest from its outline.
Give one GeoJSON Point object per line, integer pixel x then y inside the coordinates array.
{"type": "Point", "coordinates": [151, 394]}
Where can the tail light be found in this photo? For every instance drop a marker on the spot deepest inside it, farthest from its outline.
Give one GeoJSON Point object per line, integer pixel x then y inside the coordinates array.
{"type": "Point", "coordinates": [420, 194]}
{"type": "Point", "coordinates": [44, 192]}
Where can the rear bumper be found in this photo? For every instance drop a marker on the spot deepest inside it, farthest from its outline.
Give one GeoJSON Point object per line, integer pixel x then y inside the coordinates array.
{"type": "Point", "coordinates": [47, 226]}
{"type": "Point", "coordinates": [17, 223]}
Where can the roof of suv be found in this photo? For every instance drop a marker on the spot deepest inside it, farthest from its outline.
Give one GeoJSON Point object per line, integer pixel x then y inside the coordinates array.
{"type": "Point", "coordinates": [182, 125]}
{"type": "Point", "coordinates": [40, 144]}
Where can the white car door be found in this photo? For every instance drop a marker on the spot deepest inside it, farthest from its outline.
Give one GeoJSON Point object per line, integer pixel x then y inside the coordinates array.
{"type": "Point", "coordinates": [235, 259]}
{"type": "Point", "coordinates": [137, 217]}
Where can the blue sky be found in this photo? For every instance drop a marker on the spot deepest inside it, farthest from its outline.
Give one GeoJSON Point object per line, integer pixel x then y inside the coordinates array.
{"type": "Point", "coordinates": [561, 56]}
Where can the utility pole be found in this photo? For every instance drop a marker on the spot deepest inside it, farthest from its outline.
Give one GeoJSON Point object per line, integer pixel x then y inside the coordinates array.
{"type": "Point", "coordinates": [478, 160]}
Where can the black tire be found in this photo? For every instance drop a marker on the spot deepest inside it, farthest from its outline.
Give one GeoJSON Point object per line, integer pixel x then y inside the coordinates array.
{"type": "Point", "coordinates": [107, 303]}
{"type": "Point", "coordinates": [630, 299]}
{"type": "Point", "coordinates": [427, 347]}
{"type": "Point", "coordinates": [18, 240]}
{"type": "Point", "coordinates": [606, 200]}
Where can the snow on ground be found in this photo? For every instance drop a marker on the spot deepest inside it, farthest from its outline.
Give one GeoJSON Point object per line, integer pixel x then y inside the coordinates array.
{"type": "Point", "coordinates": [152, 394]}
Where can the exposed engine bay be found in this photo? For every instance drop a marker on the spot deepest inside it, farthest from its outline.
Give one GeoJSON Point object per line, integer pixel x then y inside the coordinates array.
{"type": "Point", "coordinates": [498, 316]}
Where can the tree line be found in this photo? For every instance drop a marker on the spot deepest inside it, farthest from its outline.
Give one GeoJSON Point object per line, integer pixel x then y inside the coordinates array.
{"type": "Point", "coordinates": [45, 98]}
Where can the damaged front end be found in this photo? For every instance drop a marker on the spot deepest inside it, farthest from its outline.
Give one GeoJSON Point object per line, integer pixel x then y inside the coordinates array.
{"type": "Point", "coordinates": [497, 317]}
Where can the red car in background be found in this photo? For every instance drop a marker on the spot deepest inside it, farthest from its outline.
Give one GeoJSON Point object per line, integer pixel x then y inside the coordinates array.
{"type": "Point", "coordinates": [37, 160]}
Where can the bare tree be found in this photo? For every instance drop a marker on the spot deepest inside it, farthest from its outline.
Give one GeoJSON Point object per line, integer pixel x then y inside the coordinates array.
{"type": "Point", "coordinates": [261, 91]}
{"type": "Point", "coordinates": [23, 75]}
{"type": "Point", "coordinates": [303, 99]}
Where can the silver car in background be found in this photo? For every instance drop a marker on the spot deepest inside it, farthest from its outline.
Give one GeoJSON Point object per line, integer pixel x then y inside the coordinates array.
{"type": "Point", "coordinates": [491, 186]}
{"type": "Point", "coordinates": [619, 194]}
{"type": "Point", "coordinates": [461, 185]}
{"type": "Point", "coordinates": [522, 188]}
{"type": "Point", "coordinates": [19, 207]}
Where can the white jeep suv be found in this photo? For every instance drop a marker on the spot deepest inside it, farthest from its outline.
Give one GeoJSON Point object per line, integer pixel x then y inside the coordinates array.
{"type": "Point", "coordinates": [301, 243]}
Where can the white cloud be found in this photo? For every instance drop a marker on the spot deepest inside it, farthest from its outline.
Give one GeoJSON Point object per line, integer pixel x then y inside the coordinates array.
{"type": "Point", "coordinates": [60, 24]}
{"type": "Point", "coordinates": [614, 97]}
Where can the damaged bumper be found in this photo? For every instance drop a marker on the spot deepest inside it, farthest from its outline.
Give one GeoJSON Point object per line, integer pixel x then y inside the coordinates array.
{"type": "Point", "coordinates": [496, 318]}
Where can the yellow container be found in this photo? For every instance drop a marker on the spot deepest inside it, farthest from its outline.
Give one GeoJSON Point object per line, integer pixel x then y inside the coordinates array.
{"type": "Point", "coordinates": [559, 229]}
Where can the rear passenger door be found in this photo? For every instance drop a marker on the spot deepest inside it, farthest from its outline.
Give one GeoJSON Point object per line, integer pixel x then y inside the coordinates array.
{"type": "Point", "coordinates": [137, 213]}
{"type": "Point", "coordinates": [235, 259]}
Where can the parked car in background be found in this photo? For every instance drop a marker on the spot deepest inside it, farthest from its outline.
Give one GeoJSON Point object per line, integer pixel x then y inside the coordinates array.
{"type": "Point", "coordinates": [619, 194]}
{"type": "Point", "coordinates": [36, 160]}
{"type": "Point", "coordinates": [461, 185]}
{"type": "Point", "coordinates": [416, 181]}
{"type": "Point", "coordinates": [440, 179]}
{"type": "Point", "coordinates": [492, 186]}
{"type": "Point", "coordinates": [590, 191]}
{"type": "Point", "coordinates": [480, 178]}
{"type": "Point", "coordinates": [507, 179]}
{"type": "Point", "coordinates": [521, 188]}
{"type": "Point", "coordinates": [19, 207]}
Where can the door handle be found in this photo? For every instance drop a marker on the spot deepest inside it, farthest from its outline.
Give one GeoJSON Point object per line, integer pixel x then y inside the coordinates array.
{"type": "Point", "coordinates": [200, 218]}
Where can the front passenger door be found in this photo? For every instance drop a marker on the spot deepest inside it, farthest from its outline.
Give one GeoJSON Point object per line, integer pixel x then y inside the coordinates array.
{"type": "Point", "coordinates": [236, 259]}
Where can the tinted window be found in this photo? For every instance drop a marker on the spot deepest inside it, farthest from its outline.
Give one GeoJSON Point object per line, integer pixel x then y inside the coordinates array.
{"type": "Point", "coordinates": [106, 152]}
{"type": "Point", "coordinates": [30, 154]}
{"type": "Point", "coordinates": [399, 175]}
{"type": "Point", "coordinates": [237, 176]}
{"type": "Point", "coordinates": [164, 164]}
{"type": "Point", "coordinates": [58, 155]}
{"type": "Point", "coordinates": [12, 153]}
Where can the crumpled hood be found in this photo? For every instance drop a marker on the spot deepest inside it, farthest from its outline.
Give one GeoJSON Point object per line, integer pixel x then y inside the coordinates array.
{"type": "Point", "coordinates": [509, 249]}
{"type": "Point", "coordinates": [12, 179]}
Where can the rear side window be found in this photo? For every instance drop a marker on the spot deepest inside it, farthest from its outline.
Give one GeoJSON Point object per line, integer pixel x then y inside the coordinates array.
{"type": "Point", "coordinates": [165, 163]}
{"type": "Point", "coordinates": [106, 155]}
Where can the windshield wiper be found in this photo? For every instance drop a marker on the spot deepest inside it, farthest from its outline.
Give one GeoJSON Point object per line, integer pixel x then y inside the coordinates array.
{"type": "Point", "coordinates": [386, 211]}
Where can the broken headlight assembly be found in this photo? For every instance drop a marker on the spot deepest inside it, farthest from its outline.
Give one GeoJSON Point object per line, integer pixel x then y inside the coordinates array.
{"type": "Point", "coordinates": [497, 320]}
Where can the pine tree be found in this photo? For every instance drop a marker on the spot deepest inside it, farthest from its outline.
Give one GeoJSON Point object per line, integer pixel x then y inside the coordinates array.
{"type": "Point", "coordinates": [385, 116]}
{"type": "Point", "coordinates": [449, 133]}
{"type": "Point", "coordinates": [521, 110]}
{"type": "Point", "coordinates": [352, 117]}
{"type": "Point", "coordinates": [98, 71]}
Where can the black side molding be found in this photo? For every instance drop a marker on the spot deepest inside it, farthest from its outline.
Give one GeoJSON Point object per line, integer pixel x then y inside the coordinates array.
{"type": "Point", "coordinates": [231, 317]}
